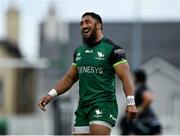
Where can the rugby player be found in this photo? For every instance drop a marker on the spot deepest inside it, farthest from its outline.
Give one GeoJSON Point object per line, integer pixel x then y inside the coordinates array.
{"type": "Point", "coordinates": [95, 64]}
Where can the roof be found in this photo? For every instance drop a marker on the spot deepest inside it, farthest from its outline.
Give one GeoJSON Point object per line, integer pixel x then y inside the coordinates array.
{"type": "Point", "coordinates": [40, 63]}
{"type": "Point", "coordinates": [12, 48]}
{"type": "Point", "coordinates": [162, 65]}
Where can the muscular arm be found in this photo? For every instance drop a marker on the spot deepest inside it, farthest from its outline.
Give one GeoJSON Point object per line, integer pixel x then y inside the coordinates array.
{"type": "Point", "coordinates": [63, 85]}
{"type": "Point", "coordinates": [119, 62]}
{"type": "Point", "coordinates": [67, 81]}
{"type": "Point", "coordinates": [123, 73]}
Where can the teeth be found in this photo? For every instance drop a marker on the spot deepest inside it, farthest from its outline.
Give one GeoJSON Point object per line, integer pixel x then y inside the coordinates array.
{"type": "Point", "coordinates": [86, 31]}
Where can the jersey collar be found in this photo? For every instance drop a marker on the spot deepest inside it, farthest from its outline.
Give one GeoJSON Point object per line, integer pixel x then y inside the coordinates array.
{"type": "Point", "coordinates": [96, 43]}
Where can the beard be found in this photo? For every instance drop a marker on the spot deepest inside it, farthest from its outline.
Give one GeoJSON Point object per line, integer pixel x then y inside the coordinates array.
{"type": "Point", "coordinates": [91, 39]}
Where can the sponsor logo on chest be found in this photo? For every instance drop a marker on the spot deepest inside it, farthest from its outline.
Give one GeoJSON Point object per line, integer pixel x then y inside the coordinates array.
{"type": "Point", "coordinates": [90, 70]}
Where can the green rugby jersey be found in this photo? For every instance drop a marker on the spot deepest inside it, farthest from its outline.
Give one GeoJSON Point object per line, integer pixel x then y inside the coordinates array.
{"type": "Point", "coordinates": [96, 73]}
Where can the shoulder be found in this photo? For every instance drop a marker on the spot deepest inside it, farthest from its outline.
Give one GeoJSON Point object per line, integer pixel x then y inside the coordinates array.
{"type": "Point", "coordinates": [114, 48]}
{"type": "Point", "coordinates": [112, 44]}
{"type": "Point", "coordinates": [79, 48]}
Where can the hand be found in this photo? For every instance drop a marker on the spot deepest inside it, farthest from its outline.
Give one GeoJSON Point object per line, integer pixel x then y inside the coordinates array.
{"type": "Point", "coordinates": [131, 112]}
{"type": "Point", "coordinates": [44, 101]}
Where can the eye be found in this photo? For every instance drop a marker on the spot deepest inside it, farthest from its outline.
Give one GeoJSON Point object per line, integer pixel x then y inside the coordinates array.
{"type": "Point", "coordinates": [88, 21]}
{"type": "Point", "coordinates": [81, 23]}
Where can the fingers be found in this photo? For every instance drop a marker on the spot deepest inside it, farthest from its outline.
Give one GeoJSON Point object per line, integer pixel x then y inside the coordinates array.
{"type": "Point", "coordinates": [133, 115]}
{"type": "Point", "coordinates": [130, 117]}
{"type": "Point", "coordinates": [131, 112]}
{"type": "Point", "coordinates": [42, 103]}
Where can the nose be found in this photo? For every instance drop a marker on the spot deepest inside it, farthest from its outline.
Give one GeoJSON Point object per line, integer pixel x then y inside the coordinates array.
{"type": "Point", "coordinates": [83, 25]}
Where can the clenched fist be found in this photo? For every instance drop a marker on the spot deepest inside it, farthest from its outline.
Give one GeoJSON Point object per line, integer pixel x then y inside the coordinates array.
{"type": "Point", "coordinates": [44, 101]}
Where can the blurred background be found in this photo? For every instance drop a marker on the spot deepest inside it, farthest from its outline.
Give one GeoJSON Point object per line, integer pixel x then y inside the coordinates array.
{"type": "Point", "coordinates": [37, 42]}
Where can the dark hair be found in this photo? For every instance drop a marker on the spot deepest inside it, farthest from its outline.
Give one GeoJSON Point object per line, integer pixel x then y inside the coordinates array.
{"type": "Point", "coordinates": [140, 75]}
{"type": "Point", "coordinates": [95, 16]}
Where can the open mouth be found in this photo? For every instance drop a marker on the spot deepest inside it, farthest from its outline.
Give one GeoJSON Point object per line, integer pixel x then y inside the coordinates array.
{"type": "Point", "coordinates": [85, 31]}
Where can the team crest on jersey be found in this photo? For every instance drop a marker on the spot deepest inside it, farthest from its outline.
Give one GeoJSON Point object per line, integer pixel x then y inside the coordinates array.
{"type": "Point", "coordinates": [100, 56]}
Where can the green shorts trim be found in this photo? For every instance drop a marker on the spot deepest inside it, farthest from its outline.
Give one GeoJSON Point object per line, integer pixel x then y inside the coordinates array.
{"type": "Point", "coordinates": [101, 111]}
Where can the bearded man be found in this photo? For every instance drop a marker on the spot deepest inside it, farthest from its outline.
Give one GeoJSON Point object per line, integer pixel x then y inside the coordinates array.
{"type": "Point", "coordinates": [95, 64]}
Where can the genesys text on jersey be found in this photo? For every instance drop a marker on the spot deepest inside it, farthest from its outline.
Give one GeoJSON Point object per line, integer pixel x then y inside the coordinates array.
{"type": "Point", "coordinates": [90, 69]}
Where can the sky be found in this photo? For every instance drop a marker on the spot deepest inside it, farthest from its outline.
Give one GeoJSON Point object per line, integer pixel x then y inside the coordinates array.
{"type": "Point", "coordinates": [32, 12]}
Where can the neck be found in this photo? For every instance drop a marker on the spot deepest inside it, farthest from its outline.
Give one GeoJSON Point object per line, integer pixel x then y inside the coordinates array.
{"type": "Point", "coordinates": [99, 36]}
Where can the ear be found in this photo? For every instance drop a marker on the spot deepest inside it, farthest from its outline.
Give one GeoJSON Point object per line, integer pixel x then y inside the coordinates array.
{"type": "Point", "coordinates": [98, 26]}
